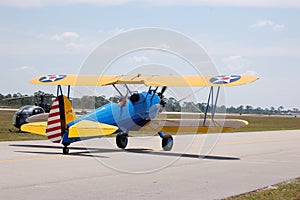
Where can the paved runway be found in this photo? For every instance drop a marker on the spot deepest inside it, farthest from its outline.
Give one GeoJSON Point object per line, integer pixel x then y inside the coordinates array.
{"type": "Point", "coordinates": [238, 163]}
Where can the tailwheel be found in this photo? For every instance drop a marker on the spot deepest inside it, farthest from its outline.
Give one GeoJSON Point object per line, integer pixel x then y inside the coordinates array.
{"type": "Point", "coordinates": [122, 140]}
{"type": "Point", "coordinates": [65, 150]}
{"type": "Point", "coordinates": [167, 142]}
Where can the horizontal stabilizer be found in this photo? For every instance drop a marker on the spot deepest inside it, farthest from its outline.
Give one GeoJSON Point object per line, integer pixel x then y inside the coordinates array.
{"type": "Point", "coordinates": [193, 125]}
{"type": "Point", "coordinates": [38, 128]}
{"type": "Point", "coordinates": [86, 128]}
{"type": "Point", "coordinates": [43, 117]}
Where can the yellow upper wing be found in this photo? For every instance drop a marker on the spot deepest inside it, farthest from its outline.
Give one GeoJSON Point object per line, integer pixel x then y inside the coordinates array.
{"type": "Point", "coordinates": [148, 80]}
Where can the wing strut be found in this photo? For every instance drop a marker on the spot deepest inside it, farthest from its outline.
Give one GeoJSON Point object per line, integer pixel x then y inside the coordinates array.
{"type": "Point", "coordinates": [117, 90]}
{"type": "Point", "coordinates": [216, 101]}
{"type": "Point", "coordinates": [59, 91]}
{"type": "Point", "coordinates": [126, 86]}
{"type": "Point", "coordinates": [69, 87]}
{"type": "Point", "coordinates": [213, 103]}
{"type": "Point", "coordinates": [149, 90]}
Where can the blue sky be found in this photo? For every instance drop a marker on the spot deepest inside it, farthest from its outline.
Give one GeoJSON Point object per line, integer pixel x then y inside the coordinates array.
{"type": "Point", "coordinates": [252, 37]}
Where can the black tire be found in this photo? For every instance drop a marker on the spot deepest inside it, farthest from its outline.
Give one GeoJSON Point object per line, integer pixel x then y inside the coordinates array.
{"type": "Point", "coordinates": [122, 140]}
{"type": "Point", "coordinates": [65, 150]}
{"type": "Point", "coordinates": [167, 142]}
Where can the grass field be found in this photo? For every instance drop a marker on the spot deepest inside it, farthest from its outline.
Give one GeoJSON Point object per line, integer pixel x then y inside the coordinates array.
{"type": "Point", "coordinates": [13, 135]}
{"type": "Point", "coordinates": [288, 190]}
{"type": "Point", "coordinates": [268, 123]}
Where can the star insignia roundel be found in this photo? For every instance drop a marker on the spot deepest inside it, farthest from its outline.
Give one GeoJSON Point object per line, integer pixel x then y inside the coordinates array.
{"type": "Point", "coordinates": [224, 79]}
{"type": "Point", "coordinates": [51, 78]}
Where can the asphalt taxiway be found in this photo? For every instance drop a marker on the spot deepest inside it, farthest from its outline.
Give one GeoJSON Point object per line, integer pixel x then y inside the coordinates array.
{"type": "Point", "coordinates": [229, 164]}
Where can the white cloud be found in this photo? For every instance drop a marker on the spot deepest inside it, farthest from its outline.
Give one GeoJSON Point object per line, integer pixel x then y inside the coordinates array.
{"type": "Point", "coordinates": [235, 63]}
{"type": "Point", "coordinates": [138, 59]}
{"type": "Point", "coordinates": [20, 3]}
{"type": "Point", "coordinates": [65, 36]}
{"type": "Point", "coordinates": [267, 23]}
{"type": "Point", "coordinates": [241, 3]}
{"type": "Point", "coordinates": [233, 3]}
{"type": "Point", "coordinates": [45, 3]}
{"type": "Point", "coordinates": [262, 23]}
{"type": "Point", "coordinates": [113, 32]}
{"type": "Point", "coordinates": [250, 72]}
{"type": "Point", "coordinates": [278, 27]}
{"type": "Point", "coordinates": [25, 68]}
{"type": "Point", "coordinates": [164, 46]}
{"type": "Point", "coordinates": [116, 31]}
{"type": "Point", "coordinates": [74, 46]}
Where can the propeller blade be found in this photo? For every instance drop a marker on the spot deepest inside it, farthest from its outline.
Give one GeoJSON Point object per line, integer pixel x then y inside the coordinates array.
{"type": "Point", "coordinates": [161, 96]}
{"type": "Point", "coordinates": [163, 90]}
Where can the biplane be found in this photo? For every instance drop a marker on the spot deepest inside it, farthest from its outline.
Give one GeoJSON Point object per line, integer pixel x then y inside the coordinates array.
{"type": "Point", "coordinates": [136, 111]}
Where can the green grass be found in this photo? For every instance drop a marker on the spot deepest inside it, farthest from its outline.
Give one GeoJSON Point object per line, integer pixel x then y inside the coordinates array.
{"type": "Point", "coordinates": [268, 123]}
{"type": "Point", "coordinates": [9, 133]}
{"type": "Point", "coordinates": [288, 190]}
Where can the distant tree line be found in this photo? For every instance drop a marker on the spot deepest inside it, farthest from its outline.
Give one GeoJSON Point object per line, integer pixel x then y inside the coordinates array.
{"type": "Point", "coordinates": [172, 105]}
{"type": "Point", "coordinates": [18, 99]}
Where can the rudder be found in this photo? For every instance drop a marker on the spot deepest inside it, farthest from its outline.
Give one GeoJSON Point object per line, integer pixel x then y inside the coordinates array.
{"type": "Point", "coordinates": [60, 115]}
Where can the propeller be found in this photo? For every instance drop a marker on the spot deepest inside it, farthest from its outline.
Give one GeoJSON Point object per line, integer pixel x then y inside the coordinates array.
{"type": "Point", "coordinates": [161, 96]}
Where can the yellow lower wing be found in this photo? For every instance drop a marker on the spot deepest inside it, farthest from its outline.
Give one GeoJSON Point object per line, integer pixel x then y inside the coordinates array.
{"type": "Point", "coordinates": [38, 128]}
{"type": "Point", "coordinates": [87, 128]}
{"type": "Point", "coordinates": [193, 125]}
{"type": "Point", "coordinates": [83, 128]}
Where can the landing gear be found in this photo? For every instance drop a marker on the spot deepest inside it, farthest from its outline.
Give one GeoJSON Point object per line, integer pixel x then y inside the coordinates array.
{"type": "Point", "coordinates": [167, 141]}
{"type": "Point", "coordinates": [122, 140]}
{"type": "Point", "coordinates": [66, 149]}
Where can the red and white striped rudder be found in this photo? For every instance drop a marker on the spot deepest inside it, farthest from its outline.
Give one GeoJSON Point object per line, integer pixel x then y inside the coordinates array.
{"type": "Point", "coordinates": [54, 130]}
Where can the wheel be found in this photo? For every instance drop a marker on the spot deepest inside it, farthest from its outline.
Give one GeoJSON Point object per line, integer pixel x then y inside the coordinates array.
{"type": "Point", "coordinates": [65, 150]}
{"type": "Point", "coordinates": [167, 142]}
{"type": "Point", "coordinates": [122, 140]}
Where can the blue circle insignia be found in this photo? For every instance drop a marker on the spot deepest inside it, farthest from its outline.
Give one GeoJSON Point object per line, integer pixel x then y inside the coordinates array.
{"type": "Point", "coordinates": [224, 79]}
{"type": "Point", "coordinates": [51, 78]}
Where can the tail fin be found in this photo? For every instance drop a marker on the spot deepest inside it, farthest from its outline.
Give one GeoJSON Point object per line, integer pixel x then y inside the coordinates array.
{"type": "Point", "coordinates": [60, 115]}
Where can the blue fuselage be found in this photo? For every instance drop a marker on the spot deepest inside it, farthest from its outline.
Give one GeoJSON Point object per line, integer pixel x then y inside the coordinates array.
{"type": "Point", "coordinates": [131, 116]}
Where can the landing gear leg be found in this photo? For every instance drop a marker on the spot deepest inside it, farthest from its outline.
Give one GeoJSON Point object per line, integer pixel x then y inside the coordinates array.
{"type": "Point", "coordinates": [167, 141]}
{"type": "Point", "coordinates": [122, 140]}
{"type": "Point", "coordinates": [66, 149]}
